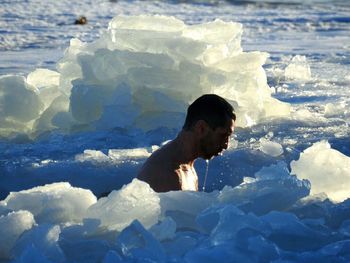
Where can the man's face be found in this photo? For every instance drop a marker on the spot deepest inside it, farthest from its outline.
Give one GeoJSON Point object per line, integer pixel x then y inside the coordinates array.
{"type": "Point", "coordinates": [215, 141]}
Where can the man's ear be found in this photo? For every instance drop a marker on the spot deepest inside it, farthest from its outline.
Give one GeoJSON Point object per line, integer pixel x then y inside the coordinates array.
{"type": "Point", "coordinates": [201, 128]}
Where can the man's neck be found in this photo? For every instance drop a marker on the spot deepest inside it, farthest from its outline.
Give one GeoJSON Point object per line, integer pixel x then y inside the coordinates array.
{"type": "Point", "coordinates": [185, 148]}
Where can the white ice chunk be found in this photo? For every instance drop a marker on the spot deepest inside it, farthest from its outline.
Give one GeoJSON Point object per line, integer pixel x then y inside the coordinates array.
{"type": "Point", "coordinates": [136, 200]}
{"type": "Point", "coordinates": [184, 206]}
{"type": "Point", "coordinates": [340, 249]}
{"type": "Point", "coordinates": [56, 115]}
{"type": "Point", "coordinates": [53, 203]}
{"type": "Point", "coordinates": [136, 242]}
{"type": "Point", "coordinates": [85, 249]}
{"type": "Point", "coordinates": [182, 243]}
{"type": "Point", "coordinates": [92, 156]}
{"type": "Point", "coordinates": [215, 32]}
{"type": "Point", "coordinates": [273, 172]}
{"type": "Point", "coordinates": [285, 222]}
{"type": "Point", "coordinates": [42, 78]}
{"type": "Point", "coordinates": [288, 232]}
{"type": "Point", "coordinates": [223, 39]}
{"type": "Point", "coordinates": [327, 169]}
{"type": "Point", "coordinates": [128, 154]}
{"type": "Point", "coordinates": [46, 82]}
{"type": "Point", "coordinates": [250, 247]}
{"type": "Point", "coordinates": [45, 239]}
{"type": "Point", "coordinates": [68, 66]}
{"type": "Point", "coordinates": [32, 254]}
{"type": "Point", "coordinates": [11, 227]}
{"type": "Point", "coordinates": [187, 201]}
{"type": "Point", "coordinates": [274, 189]}
{"type": "Point", "coordinates": [112, 257]}
{"type": "Point", "coordinates": [115, 156]}
{"type": "Point", "coordinates": [19, 104]}
{"type": "Point", "coordinates": [164, 230]}
{"type": "Point", "coordinates": [270, 148]}
{"type": "Point", "coordinates": [332, 110]}
{"type": "Point", "coordinates": [249, 60]}
{"type": "Point", "coordinates": [144, 22]}
{"type": "Point", "coordinates": [3, 209]}
{"type": "Point", "coordinates": [345, 228]}
{"type": "Point", "coordinates": [298, 69]}
{"type": "Point", "coordinates": [231, 220]}
{"type": "Point", "coordinates": [141, 73]}
{"type": "Point", "coordinates": [18, 100]}
{"type": "Point", "coordinates": [304, 115]}
{"type": "Point", "coordinates": [263, 249]}
{"type": "Point", "coordinates": [225, 252]}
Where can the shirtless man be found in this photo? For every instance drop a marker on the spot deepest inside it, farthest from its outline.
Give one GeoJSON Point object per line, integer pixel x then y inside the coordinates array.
{"type": "Point", "coordinates": [208, 126]}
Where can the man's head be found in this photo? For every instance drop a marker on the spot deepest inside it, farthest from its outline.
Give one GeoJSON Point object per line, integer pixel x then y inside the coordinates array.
{"type": "Point", "coordinates": [212, 119]}
{"type": "Point", "coordinates": [212, 109]}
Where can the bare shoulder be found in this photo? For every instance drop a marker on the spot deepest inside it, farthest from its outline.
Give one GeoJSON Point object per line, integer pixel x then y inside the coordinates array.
{"type": "Point", "coordinates": [156, 162]}
{"type": "Point", "coordinates": [159, 173]}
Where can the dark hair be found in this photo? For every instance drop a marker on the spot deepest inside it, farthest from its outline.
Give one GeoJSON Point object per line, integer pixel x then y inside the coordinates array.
{"type": "Point", "coordinates": [211, 108]}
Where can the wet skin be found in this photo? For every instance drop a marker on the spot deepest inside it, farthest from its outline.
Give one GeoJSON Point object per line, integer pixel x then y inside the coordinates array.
{"type": "Point", "coordinates": [172, 166]}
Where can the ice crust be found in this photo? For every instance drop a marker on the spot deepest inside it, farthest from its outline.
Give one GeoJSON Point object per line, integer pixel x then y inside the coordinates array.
{"type": "Point", "coordinates": [264, 219]}
{"type": "Point", "coordinates": [327, 169]}
{"type": "Point", "coordinates": [142, 72]}
{"type": "Point", "coordinates": [270, 217]}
